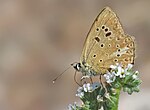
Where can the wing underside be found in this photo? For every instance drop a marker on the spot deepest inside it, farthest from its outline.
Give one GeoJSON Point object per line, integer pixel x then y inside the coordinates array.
{"type": "Point", "coordinates": [106, 44]}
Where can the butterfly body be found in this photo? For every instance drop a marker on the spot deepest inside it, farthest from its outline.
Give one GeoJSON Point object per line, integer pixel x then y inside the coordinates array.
{"type": "Point", "coordinates": [106, 44]}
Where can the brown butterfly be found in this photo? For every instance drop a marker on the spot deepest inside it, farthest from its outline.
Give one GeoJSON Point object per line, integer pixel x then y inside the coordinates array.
{"type": "Point", "coordinates": [106, 44]}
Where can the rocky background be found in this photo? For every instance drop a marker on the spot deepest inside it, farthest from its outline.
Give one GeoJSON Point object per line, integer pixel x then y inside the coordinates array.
{"type": "Point", "coordinates": [40, 38]}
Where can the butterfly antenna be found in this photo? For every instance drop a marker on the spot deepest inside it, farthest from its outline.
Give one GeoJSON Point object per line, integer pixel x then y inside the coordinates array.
{"type": "Point", "coordinates": [63, 73]}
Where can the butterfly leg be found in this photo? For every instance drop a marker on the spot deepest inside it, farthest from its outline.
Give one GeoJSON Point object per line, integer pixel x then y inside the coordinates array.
{"type": "Point", "coordinates": [81, 80]}
{"type": "Point", "coordinates": [100, 78]}
{"type": "Point", "coordinates": [91, 80]}
{"type": "Point", "coordinates": [75, 78]}
{"type": "Point", "coordinates": [103, 85]}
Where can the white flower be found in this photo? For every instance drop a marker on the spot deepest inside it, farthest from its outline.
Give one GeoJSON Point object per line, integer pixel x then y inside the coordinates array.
{"type": "Point", "coordinates": [122, 76]}
{"type": "Point", "coordinates": [129, 66]}
{"type": "Point", "coordinates": [113, 67]}
{"type": "Point", "coordinates": [107, 95]}
{"type": "Point", "coordinates": [136, 72]}
{"type": "Point", "coordinates": [72, 107]}
{"type": "Point", "coordinates": [120, 72]}
{"type": "Point", "coordinates": [80, 89]}
{"type": "Point", "coordinates": [99, 98]}
{"type": "Point", "coordinates": [87, 87]}
{"type": "Point", "coordinates": [102, 108]}
{"type": "Point", "coordinates": [90, 87]}
{"type": "Point", "coordinates": [110, 77]}
{"type": "Point", "coordinates": [134, 76]}
{"type": "Point", "coordinates": [80, 92]}
{"type": "Point", "coordinates": [127, 73]}
{"type": "Point", "coordinates": [69, 107]}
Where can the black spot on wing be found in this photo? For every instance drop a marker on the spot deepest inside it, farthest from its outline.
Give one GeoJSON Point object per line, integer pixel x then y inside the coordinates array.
{"type": "Point", "coordinates": [97, 39]}
{"type": "Point", "coordinates": [108, 34]}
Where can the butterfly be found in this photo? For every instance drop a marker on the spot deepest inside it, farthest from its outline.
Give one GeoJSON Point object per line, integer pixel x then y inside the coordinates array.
{"type": "Point", "coordinates": [106, 44]}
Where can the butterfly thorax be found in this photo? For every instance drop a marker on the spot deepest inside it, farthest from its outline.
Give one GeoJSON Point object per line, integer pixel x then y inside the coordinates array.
{"type": "Point", "coordinates": [84, 69]}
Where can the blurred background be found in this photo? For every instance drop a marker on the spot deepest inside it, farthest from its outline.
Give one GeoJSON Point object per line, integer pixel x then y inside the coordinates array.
{"type": "Point", "coordinates": [40, 38]}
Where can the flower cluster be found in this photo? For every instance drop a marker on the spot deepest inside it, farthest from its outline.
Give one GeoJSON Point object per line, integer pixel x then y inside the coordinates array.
{"type": "Point", "coordinates": [117, 71]}
{"type": "Point", "coordinates": [97, 96]}
{"type": "Point", "coordinates": [87, 88]}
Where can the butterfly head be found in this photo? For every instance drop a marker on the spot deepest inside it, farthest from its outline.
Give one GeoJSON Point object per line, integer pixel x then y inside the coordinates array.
{"type": "Point", "coordinates": [77, 66]}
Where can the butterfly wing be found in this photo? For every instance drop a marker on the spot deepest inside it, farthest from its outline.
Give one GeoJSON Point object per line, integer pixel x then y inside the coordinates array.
{"type": "Point", "coordinates": [106, 44]}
